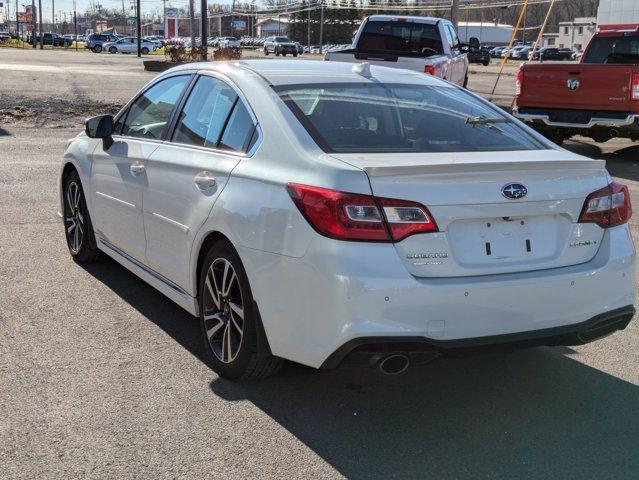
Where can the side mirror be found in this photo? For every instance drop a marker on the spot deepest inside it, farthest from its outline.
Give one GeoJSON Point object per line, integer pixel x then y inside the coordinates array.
{"type": "Point", "coordinates": [100, 127]}
{"type": "Point", "coordinates": [473, 42]}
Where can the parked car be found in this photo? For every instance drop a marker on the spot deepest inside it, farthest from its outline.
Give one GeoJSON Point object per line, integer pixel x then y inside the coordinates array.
{"type": "Point", "coordinates": [129, 45]}
{"type": "Point", "coordinates": [479, 55]}
{"type": "Point", "coordinates": [95, 41]}
{"type": "Point", "coordinates": [421, 44]}
{"type": "Point", "coordinates": [496, 52]}
{"type": "Point", "coordinates": [383, 219]}
{"type": "Point", "coordinates": [54, 40]}
{"type": "Point", "coordinates": [4, 36]}
{"type": "Point", "coordinates": [228, 42]}
{"type": "Point", "coordinates": [597, 97]}
{"type": "Point", "coordinates": [157, 40]}
{"type": "Point", "coordinates": [552, 53]}
{"type": "Point", "coordinates": [300, 48]}
{"type": "Point", "coordinates": [279, 46]}
{"type": "Point", "coordinates": [520, 53]}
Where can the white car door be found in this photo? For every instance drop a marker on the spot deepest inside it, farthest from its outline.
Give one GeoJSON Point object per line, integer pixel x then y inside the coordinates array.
{"type": "Point", "coordinates": [118, 173]}
{"type": "Point", "coordinates": [127, 45]}
{"type": "Point", "coordinates": [185, 175]}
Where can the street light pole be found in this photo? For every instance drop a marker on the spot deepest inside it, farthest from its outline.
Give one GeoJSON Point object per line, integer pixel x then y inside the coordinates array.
{"type": "Point", "coordinates": [139, 27]}
{"type": "Point", "coordinates": [204, 33]}
{"type": "Point", "coordinates": [40, 18]}
{"type": "Point", "coordinates": [33, 24]}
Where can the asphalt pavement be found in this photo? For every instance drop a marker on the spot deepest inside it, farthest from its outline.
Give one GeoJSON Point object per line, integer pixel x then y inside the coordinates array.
{"type": "Point", "coordinates": [103, 377]}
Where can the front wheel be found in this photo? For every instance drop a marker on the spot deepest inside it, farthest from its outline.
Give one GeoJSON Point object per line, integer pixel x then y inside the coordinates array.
{"type": "Point", "coordinates": [113, 50]}
{"type": "Point", "coordinates": [78, 227]}
{"type": "Point", "coordinates": [229, 319]}
{"type": "Point", "coordinates": [144, 51]}
{"type": "Point", "coordinates": [266, 52]}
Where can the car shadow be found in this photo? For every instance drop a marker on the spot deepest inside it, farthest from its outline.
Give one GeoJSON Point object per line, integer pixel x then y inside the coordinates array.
{"type": "Point", "coordinates": [4, 133]}
{"type": "Point", "coordinates": [535, 413]}
{"type": "Point", "coordinates": [620, 163]}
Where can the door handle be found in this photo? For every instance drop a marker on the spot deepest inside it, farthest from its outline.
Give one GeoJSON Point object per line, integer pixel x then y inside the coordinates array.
{"type": "Point", "coordinates": [137, 168]}
{"type": "Point", "coordinates": [204, 180]}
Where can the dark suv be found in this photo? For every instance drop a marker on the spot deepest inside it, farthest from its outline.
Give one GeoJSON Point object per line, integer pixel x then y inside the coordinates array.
{"type": "Point", "coordinates": [95, 41]}
{"type": "Point", "coordinates": [551, 53]}
{"type": "Point", "coordinates": [280, 46]}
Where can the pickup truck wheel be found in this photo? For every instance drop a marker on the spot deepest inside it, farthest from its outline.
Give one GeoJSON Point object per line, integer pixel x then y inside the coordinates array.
{"type": "Point", "coordinates": [486, 62]}
{"type": "Point", "coordinates": [555, 137]}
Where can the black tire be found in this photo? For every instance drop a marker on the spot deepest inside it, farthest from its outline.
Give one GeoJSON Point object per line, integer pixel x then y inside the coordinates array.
{"type": "Point", "coordinates": [295, 54]}
{"type": "Point", "coordinates": [266, 52]}
{"type": "Point", "coordinates": [144, 51]}
{"type": "Point", "coordinates": [486, 62]}
{"type": "Point", "coordinates": [465, 85]}
{"type": "Point", "coordinates": [252, 359]}
{"type": "Point", "coordinates": [113, 50]}
{"type": "Point", "coordinates": [97, 48]}
{"type": "Point", "coordinates": [78, 229]}
{"type": "Point", "coordinates": [555, 136]}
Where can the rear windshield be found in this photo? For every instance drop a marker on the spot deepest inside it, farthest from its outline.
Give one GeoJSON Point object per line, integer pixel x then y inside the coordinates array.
{"type": "Point", "coordinates": [620, 50]}
{"type": "Point", "coordinates": [402, 38]}
{"type": "Point", "coordinates": [371, 117]}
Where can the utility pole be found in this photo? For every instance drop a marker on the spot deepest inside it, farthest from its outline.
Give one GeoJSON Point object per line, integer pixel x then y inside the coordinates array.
{"type": "Point", "coordinates": [139, 27]}
{"type": "Point", "coordinates": [308, 29]}
{"type": "Point", "coordinates": [75, 26]}
{"type": "Point", "coordinates": [192, 23]}
{"type": "Point", "coordinates": [204, 33]}
{"type": "Point", "coordinates": [321, 33]}
{"type": "Point", "coordinates": [454, 12]}
{"type": "Point", "coordinates": [53, 15]}
{"type": "Point", "coordinates": [40, 18]}
{"type": "Point", "coordinates": [33, 24]}
{"type": "Point", "coordinates": [164, 18]}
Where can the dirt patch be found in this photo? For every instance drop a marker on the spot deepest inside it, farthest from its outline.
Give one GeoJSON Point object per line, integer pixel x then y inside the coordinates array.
{"type": "Point", "coordinates": [51, 112]}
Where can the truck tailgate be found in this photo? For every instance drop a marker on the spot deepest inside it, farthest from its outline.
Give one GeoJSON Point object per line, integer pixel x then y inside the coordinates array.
{"type": "Point", "coordinates": [577, 86]}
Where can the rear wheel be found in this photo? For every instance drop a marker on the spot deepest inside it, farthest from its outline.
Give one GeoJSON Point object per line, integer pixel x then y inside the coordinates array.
{"type": "Point", "coordinates": [97, 48]}
{"type": "Point", "coordinates": [78, 227]}
{"type": "Point", "coordinates": [229, 319]}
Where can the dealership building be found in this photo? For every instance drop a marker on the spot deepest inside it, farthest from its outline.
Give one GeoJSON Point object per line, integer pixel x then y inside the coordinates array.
{"type": "Point", "coordinates": [618, 14]}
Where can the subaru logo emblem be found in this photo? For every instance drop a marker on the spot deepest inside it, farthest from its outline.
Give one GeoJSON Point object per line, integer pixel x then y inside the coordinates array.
{"type": "Point", "coordinates": [513, 191]}
{"type": "Point", "coordinates": [572, 84]}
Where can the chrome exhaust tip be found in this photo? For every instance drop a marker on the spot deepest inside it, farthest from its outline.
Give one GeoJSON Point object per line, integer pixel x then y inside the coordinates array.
{"type": "Point", "coordinates": [394, 364]}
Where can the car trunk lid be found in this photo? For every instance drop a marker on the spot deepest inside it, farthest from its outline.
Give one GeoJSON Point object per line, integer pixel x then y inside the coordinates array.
{"type": "Point", "coordinates": [481, 231]}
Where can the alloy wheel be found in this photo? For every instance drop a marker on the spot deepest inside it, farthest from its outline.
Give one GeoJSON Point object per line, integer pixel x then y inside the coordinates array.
{"type": "Point", "coordinates": [73, 216]}
{"type": "Point", "coordinates": [223, 310]}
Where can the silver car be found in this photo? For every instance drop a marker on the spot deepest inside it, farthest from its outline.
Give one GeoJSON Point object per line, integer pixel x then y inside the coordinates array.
{"type": "Point", "coordinates": [129, 45]}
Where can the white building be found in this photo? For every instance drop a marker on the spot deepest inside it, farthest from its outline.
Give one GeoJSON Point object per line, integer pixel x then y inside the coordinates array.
{"type": "Point", "coordinates": [489, 33]}
{"type": "Point", "coordinates": [576, 34]}
{"type": "Point", "coordinates": [618, 14]}
{"type": "Point", "coordinates": [272, 26]}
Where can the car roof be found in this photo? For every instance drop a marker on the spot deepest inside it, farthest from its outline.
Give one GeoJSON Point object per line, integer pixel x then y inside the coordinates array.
{"type": "Point", "coordinates": [408, 18]}
{"type": "Point", "coordinates": [295, 72]}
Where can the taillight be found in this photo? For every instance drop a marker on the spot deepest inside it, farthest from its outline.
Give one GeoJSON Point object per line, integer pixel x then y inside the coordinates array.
{"type": "Point", "coordinates": [352, 216]}
{"type": "Point", "coordinates": [429, 69]}
{"type": "Point", "coordinates": [519, 81]}
{"type": "Point", "coordinates": [634, 92]}
{"type": "Point", "coordinates": [607, 207]}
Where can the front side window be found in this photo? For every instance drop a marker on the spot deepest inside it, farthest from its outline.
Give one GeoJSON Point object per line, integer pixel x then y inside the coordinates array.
{"type": "Point", "coordinates": [149, 114]}
{"type": "Point", "coordinates": [368, 117]}
{"type": "Point", "coordinates": [403, 38]}
{"type": "Point", "coordinates": [205, 114]}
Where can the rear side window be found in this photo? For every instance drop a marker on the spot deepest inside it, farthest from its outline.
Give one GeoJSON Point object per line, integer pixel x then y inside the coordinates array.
{"type": "Point", "coordinates": [402, 38]}
{"type": "Point", "coordinates": [149, 114]}
{"type": "Point", "coordinates": [619, 50]}
{"type": "Point", "coordinates": [239, 129]}
{"type": "Point", "coordinates": [371, 117]}
{"type": "Point", "coordinates": [204, 115]}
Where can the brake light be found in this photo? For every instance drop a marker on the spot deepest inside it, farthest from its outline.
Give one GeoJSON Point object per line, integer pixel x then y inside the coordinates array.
{"type": "Point", "coordinates": [429, 69]}
{"type": "Point", "coordinates": [607, 207]}
{"type": "Point", "coordinates": [352, 216]}
{"type": "Point", "coordinates": [634, 92]}
{"type": "Point", "coordinates": [519, 81]}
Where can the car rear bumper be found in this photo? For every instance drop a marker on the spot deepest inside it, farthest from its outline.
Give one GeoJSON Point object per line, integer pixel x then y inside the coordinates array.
{"type": "Point", "coordinates": [595, 119]}
{"type": "Point", "coordinates": [342, 292]}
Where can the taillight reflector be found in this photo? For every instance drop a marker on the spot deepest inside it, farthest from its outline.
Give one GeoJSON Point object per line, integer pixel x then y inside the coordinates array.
{"type": "Point", "coordinates": [519, 80]}
{"type": "Point", "coordinates": [353, 216]}
{"type": "Point", "coordinates": [607, 207]}
{"type": "Point", "coordinates": [634, 92]}
{"type": "Point", "coordinates": [429, 69]}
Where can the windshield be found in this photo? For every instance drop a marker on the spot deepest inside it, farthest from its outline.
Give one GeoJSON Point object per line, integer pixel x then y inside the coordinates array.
{"type": "Point", "coordinates": [367, 117]}
{"type": "Point", "coordinates": [282, 39]}
{"type": "Point", "coordinates": [403, 38]}
{"type": "Point", "coordinates": [620, 50]}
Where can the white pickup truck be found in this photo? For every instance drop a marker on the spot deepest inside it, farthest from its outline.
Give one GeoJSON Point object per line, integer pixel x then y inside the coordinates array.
{"type": "Point", "coordinates": [424, 44]}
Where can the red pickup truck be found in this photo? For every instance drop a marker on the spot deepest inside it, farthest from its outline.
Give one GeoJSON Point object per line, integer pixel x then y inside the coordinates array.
{"type": "Point", "coordinates": [597, 98]}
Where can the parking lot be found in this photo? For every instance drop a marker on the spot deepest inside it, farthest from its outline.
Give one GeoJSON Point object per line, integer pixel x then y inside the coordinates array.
{"type": "Point", "coordinates": [103, 377]}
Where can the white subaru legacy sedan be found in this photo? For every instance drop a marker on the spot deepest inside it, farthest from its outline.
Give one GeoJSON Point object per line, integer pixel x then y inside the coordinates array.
{"type": "Point", "coordinates": [327, 213]}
